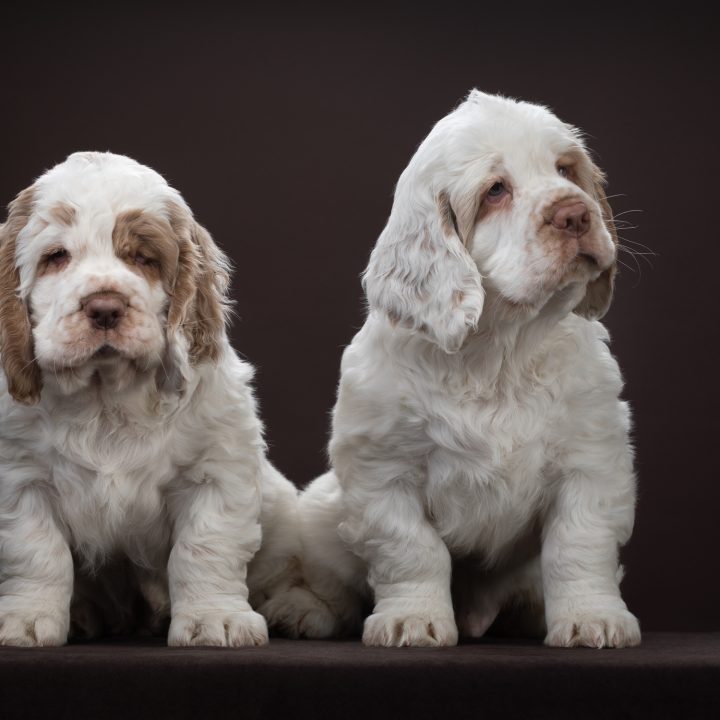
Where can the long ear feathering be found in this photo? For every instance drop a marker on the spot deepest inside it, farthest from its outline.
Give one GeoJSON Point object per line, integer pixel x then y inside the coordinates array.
{"type": "Point", "coordinates": [599, 292]}
{"type": "Point", "coordinates": [200, 306]}
{"type": "Point", "coordinates": [16, 341]}
{"type": "Point", "coordinates": [420, 273]}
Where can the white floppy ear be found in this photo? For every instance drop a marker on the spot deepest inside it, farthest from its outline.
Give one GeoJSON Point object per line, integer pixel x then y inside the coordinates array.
{"type": "Point", "coordinates": [599, 293]}
{"type": "Point", "coordinates": [421, 275]}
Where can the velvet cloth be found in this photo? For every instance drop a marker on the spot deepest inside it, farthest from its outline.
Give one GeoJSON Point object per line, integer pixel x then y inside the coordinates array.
{"type": "Point", "coordinates": [670, 675]}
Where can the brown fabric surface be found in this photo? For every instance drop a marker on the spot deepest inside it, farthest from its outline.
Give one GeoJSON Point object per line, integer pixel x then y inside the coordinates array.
{"type": "Point", "coordinates": [670, 675]}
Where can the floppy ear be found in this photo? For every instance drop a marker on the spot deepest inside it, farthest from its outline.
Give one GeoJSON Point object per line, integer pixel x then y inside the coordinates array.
{"type": "Point", "coordinates": [16, 342]}
{"type": "Point", "coordinates": [421, 275]}
{"type": "Point", "coordinates": [199, 304]}
{"type": "Point", "coordinates": [598, 295]}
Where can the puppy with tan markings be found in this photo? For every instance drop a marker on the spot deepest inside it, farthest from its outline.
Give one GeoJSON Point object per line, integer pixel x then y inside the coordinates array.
{"type": "Point", "coordinates": [478, 435]}
{"type": "Point", "coordinates": [128, 429]}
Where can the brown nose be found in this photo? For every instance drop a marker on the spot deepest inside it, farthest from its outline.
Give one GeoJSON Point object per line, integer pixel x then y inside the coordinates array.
{"type": "Point", "coordinates": [573, 218]}
{"type": "Point", "coordinates": [104, 309]}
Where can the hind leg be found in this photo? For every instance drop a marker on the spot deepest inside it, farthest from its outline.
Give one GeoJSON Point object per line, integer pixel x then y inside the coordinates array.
{"type": "Point", "coordinates": [319, 594]}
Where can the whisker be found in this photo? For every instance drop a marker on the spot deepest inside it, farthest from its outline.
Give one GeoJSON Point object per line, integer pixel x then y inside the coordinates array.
{"type": "Point", "coordinates": [638, 244]}
{"type": "Point", "coordinates": [625, 212]}
{"type": "Point", "coordinates": [625, 265]}
{"type": "Point", "coordinates": [635, 256]}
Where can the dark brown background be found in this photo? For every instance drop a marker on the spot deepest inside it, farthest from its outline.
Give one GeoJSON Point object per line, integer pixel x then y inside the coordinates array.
{"type": "Point", "coordinates": [286, 128]}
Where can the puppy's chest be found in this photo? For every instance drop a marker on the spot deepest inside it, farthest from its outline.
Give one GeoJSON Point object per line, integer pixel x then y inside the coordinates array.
{"type": "Point", "coordinates": [488, 479]}
{"type": "Point", "coordinates": [109, 484]}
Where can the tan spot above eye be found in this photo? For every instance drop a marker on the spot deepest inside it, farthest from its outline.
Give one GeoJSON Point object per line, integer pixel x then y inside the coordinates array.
{"type": "Point", "coordinates": [63, 214]}
{"type": "Point", "coordinates": [147, 244]}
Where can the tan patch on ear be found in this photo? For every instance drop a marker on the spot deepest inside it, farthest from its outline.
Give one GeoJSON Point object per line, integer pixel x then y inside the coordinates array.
{"type": "Point", "coordinates": [16, 343]}
{"type": "Point", "coordinates": [138, 233]}
{"type": "Point", "coordinates": [447, 216]}
{"type": "Point", "coordinates": [458, 221]}
{"type": "Point", "coordinates": [466, 213]}
{"type": "Point", "coordinates": [600, 291]}
{"type": "Point", "coordinates": [199, 299]}
{"type": "Point", "coordinates": [63, 214]}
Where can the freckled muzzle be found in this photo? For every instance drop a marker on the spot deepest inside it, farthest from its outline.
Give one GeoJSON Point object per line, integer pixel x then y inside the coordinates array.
{"type": "Point", "coordinates": [574, 224]}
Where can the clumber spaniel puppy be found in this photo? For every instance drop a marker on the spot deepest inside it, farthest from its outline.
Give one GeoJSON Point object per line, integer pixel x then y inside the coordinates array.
{"type": "Point", "coordinates": [478, 431]}
{"type": "Point", "coordinates": [127, 423]}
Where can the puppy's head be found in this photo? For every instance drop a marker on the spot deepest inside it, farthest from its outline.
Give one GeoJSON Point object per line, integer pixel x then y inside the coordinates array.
{"type": "Point", "coordinates": [501, 196]}
{"type": "Point", "coordinates": [102, 265]}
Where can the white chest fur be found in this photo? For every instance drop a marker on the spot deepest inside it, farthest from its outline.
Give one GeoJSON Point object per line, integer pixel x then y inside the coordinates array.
{"type": "Point", "coordinates": [108, 468]}
{"type": "Point", "coordinates": [484, 437]}
{"type": "Point", "coordinates": [487, 486]}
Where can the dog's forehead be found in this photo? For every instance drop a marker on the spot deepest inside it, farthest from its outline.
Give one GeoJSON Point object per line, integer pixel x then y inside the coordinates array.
{"type": "Point", "coordinates": [102, 183]}
{"type": "Point", "coordinates": [521, 136]}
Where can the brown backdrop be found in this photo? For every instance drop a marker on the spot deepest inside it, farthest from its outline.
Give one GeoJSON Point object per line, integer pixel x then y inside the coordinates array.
{"type": "Point", "coordinates": [286, 128]}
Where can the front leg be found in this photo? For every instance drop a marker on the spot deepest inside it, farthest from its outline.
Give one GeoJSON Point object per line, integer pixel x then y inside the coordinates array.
{"type": "Point", "coordinates": [591, 518]}
{"type": "Point", "coordinates": [408, 563]}
{"type": "Point", "coordinates": [36, 568]}
{"type": "Point", "coordinates": [216, 533]}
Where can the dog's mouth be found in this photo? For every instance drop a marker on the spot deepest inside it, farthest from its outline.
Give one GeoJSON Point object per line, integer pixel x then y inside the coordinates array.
{"type": "Point", "coordinates": [105, 351]}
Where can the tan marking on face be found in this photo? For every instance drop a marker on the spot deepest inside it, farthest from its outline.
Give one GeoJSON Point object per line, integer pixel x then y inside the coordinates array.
{"type": "Point", "coordinates": [483, 208]}
{"type": "Point", "coordinates": [147, 244]}
{"type": "Point", "coordinates": [16, 341]}
{"type": "Point", "coordinates": [579, 168]}
{"type": "Point", "coordinates": [63, 214]}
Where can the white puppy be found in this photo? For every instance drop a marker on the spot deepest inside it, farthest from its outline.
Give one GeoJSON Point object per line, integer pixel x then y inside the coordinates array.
{"type": "Point", "coordinates": [128, 427]}
{"type": "Point", "coordinates": [478, 419]}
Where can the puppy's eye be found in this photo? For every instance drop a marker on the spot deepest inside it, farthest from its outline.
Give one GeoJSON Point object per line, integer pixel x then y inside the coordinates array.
{"type": "Point", "coordinates": [141, 259]}
{"type": "Point", "coordinates": [562, 171]}
{"type": "Point", "coordinates": [57, 257]}
{"type": "Point", "coordinates": [496, 192]}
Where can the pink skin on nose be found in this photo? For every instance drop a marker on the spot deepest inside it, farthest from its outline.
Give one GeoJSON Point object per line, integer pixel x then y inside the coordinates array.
{"type": "Point", "coordinates": [573, 218]}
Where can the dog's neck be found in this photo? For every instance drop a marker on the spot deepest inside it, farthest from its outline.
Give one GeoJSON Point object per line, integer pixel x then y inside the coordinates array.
{"type": "Point", "coordinates": [509, 336]}
{"type": "Point", "coordinates": [115, 387]}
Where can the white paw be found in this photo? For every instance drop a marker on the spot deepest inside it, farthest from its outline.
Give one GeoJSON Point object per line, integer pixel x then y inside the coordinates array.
{"type": "Point", "coordinates": [217, 627]}
{"type": "Point", "coordinates": [34, 629]}
{"type": "Point", "coordinates": [297, 612]}
{"type": "Point", "coordinates": [615, 628]}
{"type": "Point", "coordinates": [388, 629]}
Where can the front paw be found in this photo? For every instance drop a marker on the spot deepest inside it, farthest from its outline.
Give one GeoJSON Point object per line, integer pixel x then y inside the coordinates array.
{"type": "Point", "coordinates": [612, 627]}
{"type": "Point", "coordinates": [40, 628]}
{"type": "Point", "coordinates": [415, 629]}
{"type": "Point", "coordinates": [229, 628]}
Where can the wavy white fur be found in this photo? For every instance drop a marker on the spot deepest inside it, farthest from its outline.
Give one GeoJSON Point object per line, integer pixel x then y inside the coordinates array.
{"type": "Point", "coordinates": [138, 440]}
{"type": "Point", "coordinates": [478, 423]}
